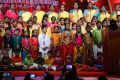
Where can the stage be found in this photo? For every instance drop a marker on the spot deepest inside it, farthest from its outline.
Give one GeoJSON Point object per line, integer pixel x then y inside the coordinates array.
{"type": "Point", "coordinates": [56, 73]}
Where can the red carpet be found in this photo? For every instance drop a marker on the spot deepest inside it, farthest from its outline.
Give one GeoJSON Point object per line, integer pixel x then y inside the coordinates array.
{"type": "Point", "coordinates": [56, 73]}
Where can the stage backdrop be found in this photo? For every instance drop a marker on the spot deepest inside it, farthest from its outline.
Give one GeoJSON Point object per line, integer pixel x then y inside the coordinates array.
{"type": "Point", "coordinates": [68, 3]}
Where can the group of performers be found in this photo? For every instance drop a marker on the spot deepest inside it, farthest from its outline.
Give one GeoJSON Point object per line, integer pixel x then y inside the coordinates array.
{"type": "Point", "coordinates": [53, 39]}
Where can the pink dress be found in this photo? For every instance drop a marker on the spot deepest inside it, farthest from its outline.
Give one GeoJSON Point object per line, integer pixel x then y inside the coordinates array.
{"type": "Point", "coordinates": [25, 42]}
{"type": "Point", "coordinates": [78, 41]}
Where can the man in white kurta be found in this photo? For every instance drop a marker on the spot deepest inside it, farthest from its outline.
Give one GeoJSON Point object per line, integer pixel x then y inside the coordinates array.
{"type": "Point", "coordinates": [44, 42]}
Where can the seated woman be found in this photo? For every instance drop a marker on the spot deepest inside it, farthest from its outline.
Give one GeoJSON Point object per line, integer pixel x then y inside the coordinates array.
{"type": "Point", "coordinates": [29, 62]}
{"type": "Point", "coordinates": [49, 62]}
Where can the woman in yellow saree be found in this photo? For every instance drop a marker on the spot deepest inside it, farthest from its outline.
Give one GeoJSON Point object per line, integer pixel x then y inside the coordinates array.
{"type": "Point", "coordinates": [39, 14]}
{"type": "Point", "coordinates": [63, 13]}
{"type": "Point", "coordinates": [51, 13]}
{"type": "Point", "coordinates": [75, 14]}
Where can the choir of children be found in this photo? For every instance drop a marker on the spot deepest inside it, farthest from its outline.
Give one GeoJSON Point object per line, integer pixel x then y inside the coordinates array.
{"type": "Point", "coordinates": [47, 40]}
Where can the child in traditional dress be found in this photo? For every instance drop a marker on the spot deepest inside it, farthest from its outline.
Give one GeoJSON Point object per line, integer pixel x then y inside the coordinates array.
{"type": "Point", "coordinates": [40, 60]}
{"type": "Point", "coordinates": [58, 60]}
{"type": "Point", "coordinates": [33, 44]}
{"type": "Point", "coordinates": [17, 40]}
{"type": "Point", "coordinates": [17, 60]}
{"type": "Point", "coordinates": [8, 42]}
{"type": "Point", "coordinates": [49, 62]}
{"type": "Point", "coordinates": [29, 62]}
{"type": "Point", "coordinates": [25, 45]}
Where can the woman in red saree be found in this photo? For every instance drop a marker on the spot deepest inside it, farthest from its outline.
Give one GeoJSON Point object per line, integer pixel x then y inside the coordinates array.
{"type": "Point", "coordinates": [67, 43]}
{"type": "Point", "coordinates": [33, 44]}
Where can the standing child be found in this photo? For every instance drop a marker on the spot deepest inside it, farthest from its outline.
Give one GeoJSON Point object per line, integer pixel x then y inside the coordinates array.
{"type": "Point", "coordinates": [33, 44]}
{"type": "Point", "coordinates": [16, 40]}
{"type": "Point", "coordinates": [25, 44]}
{"type": "Point", "coordinates": [8, 42]}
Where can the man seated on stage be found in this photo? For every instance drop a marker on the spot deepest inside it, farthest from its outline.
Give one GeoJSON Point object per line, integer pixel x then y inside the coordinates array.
{"type": "Point", "coordinates": [17, 60]}
{"type": "Point", "coordinates": [29, 62]}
